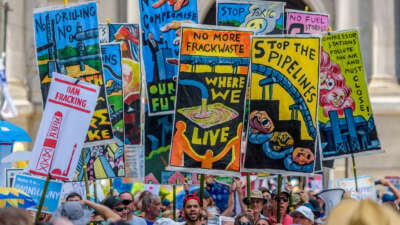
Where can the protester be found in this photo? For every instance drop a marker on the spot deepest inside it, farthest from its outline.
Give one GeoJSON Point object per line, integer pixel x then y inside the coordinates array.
{"type": "Point", "coordinates": [116, 205]}
{"type": "Point", "coordinates": [262, 221]}
{"type": "Point", "coordinates": [244, 219]}
{"type": "Point", "coordinates": [192, 210]}
{"type": "Point", "coordinates": [303, 216]}
{"type": "Point", "coordinates": [138, 202]}
{"type": "Point", "coordinates": [127, 200]}
{"type": "Point", "coordinates": [74, 211]}
{"type": "Point", "coordinates": [12, 216]}
{"type": "Point", "coordinates": [285, 219]}
{"type": "Point", "coordinates": [256, 204]}
{"type": "Point", "coordinates": [364, 212]}
{"type": "Point", "coordinates": [73, 196]}
{"type": "Point", "coordinates": [151, 206]}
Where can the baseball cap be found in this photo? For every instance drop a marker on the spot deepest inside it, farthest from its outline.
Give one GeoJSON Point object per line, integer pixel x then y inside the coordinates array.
{"type": "Point", "coordinates": [388, 197]}
{"type": "Point", "coordinates": [112, 201]}
{"type": "Point", "coordinates": [305, 211]}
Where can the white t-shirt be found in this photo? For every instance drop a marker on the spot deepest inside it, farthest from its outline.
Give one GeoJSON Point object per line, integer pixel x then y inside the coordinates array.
{"type": "Point", "coordinates": [137, 221]}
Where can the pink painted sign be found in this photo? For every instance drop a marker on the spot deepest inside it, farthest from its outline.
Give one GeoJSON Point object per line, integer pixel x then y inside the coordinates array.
{"type": "Point", "coordinates": [299, 22]}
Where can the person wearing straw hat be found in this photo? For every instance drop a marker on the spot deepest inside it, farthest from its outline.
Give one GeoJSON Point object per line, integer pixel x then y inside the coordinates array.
{"type": "Point", "coordinates": [256, 204]}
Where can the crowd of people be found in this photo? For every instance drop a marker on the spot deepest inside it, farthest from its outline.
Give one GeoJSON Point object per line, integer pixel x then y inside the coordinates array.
{"type": "Point", "coordinates": [298, 207]}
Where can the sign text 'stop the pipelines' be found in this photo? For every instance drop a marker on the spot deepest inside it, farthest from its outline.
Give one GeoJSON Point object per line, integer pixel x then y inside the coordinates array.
{"type": "Point", "coordinates": [209, 42]}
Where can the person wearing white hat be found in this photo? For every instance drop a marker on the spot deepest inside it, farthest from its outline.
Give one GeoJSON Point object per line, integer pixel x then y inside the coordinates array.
{"type": "Point", "coordinates": [303, 216]}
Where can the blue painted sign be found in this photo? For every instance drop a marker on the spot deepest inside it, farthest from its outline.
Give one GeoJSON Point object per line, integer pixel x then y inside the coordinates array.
{"type": "Point", "coordinates": [33, 186]}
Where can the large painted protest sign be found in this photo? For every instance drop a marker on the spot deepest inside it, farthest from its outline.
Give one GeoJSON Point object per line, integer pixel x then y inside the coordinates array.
{"type": "Point", "coordinates": [282, 132]}
{"type": "Point", "coordinates": [107, 161]}
{"type": "Point", "coordinates": [33, 186]}
{"type": "Point", "coordinates": [128, 36]}
{"type": "Point", "coordinates": [65, 121]}
{"type": "Point", "coordinates": [102, 161]}
{"type": "Point", "coordinates": [264, 17]}
{"type": "Point", "coordinates": [345, 120]}
{"type": "Point", "coordinates": [112, 69]}
{"type": "Point", "coordinates": [211, 93]}
{"type": "Point", "coordinates": [300, 22]}
{"type": "Point", "coordinates": [160, 22]}
{"type": "Point", "coordinates": [158, 135]}
{"type": "Point", "coordinates": [67, 42]}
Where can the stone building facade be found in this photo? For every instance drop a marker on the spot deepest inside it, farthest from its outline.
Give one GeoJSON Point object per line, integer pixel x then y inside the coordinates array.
{"type": "Point", "coordinates": [377, 20]}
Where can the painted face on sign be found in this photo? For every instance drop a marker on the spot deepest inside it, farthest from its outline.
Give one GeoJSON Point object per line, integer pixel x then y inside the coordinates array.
{"type": "Point", "coordinates": [302, 156]}
{"type": "Point", "coordinates": [261, 122]}
{"type": "Point", "coordinates": [281, 140]}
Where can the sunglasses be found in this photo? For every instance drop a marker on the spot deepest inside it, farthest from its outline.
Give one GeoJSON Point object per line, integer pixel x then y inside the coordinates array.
{"type": "Point", "coordinates": [120, 209]}
{"type": "Point", "coordinates": [244, 223]}
{"type": "Point", "coordinates": [126, 202]}
{"type": "Point", "coordinates": [285, 199]}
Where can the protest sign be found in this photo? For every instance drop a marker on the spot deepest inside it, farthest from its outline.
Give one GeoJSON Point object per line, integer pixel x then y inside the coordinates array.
{"type": "Point", "coordinates": [395, 180]}
{"type": "Point", "coordinates": [6, 148]}
{"type": "Point", "coordinates": [134, 163]}
{"type": "Point", "coordinates": [67, 42]}
{"type": "Point", "coordinates": [102, 161]}
{"type": "Point", "coordinates": [11, 173]}
{"type": "Point", "coordinates": [300, 22]}
{"type": "Point", "coordinates": [158, 131]}
{"type": "Point", "coordinates": [264, 17]}
{"type": "Point", "coordinates": [283, 105]}
{"type": "Point", "coordinates": [65, 121]}
{"type": "Point", "coordinates": [33, 186]}
{"type": "Point", "coordinates": [345, 119]}
{"type": "Point", "coordinates": [128, 36]}
{"type": "Point", "coordinates": [160, 23]}
{"type": "Point", "coordinates": [79, 187]}
{"type": "Point", "coordinates": [214, 63]}
{"type": "Point", "coordinates": [107, 161]}
{"type": "Point", "coordinates": [366, 186]}
{"type": "Point", "coordinates": [112, 70]}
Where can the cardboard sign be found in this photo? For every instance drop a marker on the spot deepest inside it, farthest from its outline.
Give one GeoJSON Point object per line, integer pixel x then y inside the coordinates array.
{"type": "Point", "coordinates": [65, 121]}
{"type": "Point", "coordinates": [300, 22]}
{"type": "Point", "coordinates": [212, 83]}
{"type": "Point", "coordinates": [345, 119]}
{"type": "Point", "coordinates": [282, 132]}
{"type": "Point", "coordinates": [264, 17]}
{"type": "Point", "coordinates": [160, 23]}
{"type": "Point", "coordinates": [366, 186]}
{"type": "Point", "coordinates": [11, 173]}
{"type": "Point", "coordinates": [33, 186]}
{"type": "Point", "coordinates": [67, 42]}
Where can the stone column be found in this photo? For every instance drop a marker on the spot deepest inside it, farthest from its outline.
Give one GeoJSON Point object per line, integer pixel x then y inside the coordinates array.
{"type": "Point", "coordinates": [133, 15]}
{"type": "Point", "coordinates": [16, 66]}
{"type": "Point", "coordinates": [384, 88]}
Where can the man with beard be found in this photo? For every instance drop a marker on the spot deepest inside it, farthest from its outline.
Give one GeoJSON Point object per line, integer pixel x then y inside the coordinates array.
{"type": "Point", "coordinates": [192, 210]}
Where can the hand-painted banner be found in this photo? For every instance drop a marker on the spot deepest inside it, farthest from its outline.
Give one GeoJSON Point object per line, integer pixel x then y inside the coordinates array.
{"type": "Point", "coordinates": [102, 161]}
{"type": "Point", "coordinates": [283, 105]}
{"type": "Point", "coordinates": [107, 161]}
{"type": "Point", "coordinates": [112, 69]}
{"type": "Point", "coordinates": [128, 35]}
{"type": "Point", "coordinates": [265, 17]}
{"type": "Point", "coordinates": [33, 186]}
{"type": "Point", "coordinates": [345, 119]}
{"type": "Point", "coordinates": [300, 22]}
{"type": "Point", "coordinates": [214, 64]}
{"type": "Point", "coordinates": [67, 42]}
{"type": "Point", "coordinates": [65, 121]}
{"type": "Point", "coordinates": [176, 177]}
{"type": "Point", "coordinates": [160, 23]}
{"type": "Point", "coordinates": [158, 131]}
